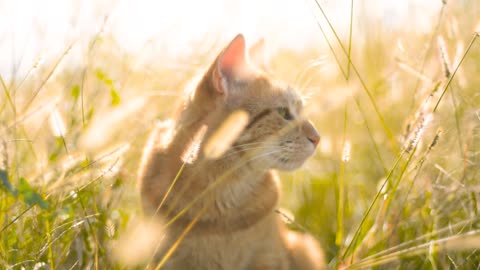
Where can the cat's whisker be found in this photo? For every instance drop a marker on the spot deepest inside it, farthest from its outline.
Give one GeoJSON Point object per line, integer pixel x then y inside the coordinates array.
{"type": "Point", "coordinates": [266, 142]}
{"type": "Point", "coordinates": [266, 154]}
{"type": "Point", "coordinates": [252, 148]}
{"type": "Point", "coordinates": [262, 155]}
{"type": "Point", "coordinates": [230, 154]}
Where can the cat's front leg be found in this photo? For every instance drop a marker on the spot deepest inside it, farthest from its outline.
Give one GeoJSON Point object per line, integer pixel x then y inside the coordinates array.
{"type": "Point", "coordinates": [268, 266]}
{"type": "Point", "coordinates": [304, 252]}
{"type": "Point", "coordinates": [272, 259]}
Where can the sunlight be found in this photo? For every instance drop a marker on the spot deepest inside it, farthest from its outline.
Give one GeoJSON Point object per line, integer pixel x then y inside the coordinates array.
{"type": "Point", "coordinates": [31, 31]}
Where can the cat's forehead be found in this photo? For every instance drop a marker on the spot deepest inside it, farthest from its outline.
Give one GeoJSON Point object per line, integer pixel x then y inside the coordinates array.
{"type": "Point", "coordinates": [286, 95]}
{"type": "Point", "coordinates": [294, 97]}
{"type": "Point", "coordinates": [272, 93]}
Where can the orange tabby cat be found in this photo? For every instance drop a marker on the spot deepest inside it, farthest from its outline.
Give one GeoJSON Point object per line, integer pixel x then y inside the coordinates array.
{"type": "Point", "coordinates": [227, 204]}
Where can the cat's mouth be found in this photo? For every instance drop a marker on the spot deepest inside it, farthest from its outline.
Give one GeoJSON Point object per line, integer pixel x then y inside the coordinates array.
{"type": "Point", "coordinates": [293, 160]}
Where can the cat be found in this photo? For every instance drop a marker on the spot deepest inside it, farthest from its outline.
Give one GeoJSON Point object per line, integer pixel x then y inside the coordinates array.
{"type": "Point", "coordinates": [222, 209]}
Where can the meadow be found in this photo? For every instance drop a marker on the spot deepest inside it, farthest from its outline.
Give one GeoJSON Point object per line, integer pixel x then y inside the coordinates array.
{"type": "Point", "coordinates": [395, 183]}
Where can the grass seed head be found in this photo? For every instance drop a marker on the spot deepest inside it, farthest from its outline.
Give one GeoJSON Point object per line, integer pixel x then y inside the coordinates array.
{"type": "Point", "coordinates": [444, 58]}
{"type": "Point", "coordinates": [417, 132]}
{"type": "Point", "coordinates": [346, 151]}
{"type": "Point", "coordinates": [3, 155]}
{"type": "Point", "coordinates": [191, 152]}
{"type": "Point", "coordinates": [137, 245]}
{"type": "Point", "coordinates": [459, 51]}
{"type": "Point", "coordinates": [435, 140]}
{"type": "Point", "coordinates": [226, 134]}
{"type": "Point", "coordinates": [57, 125]}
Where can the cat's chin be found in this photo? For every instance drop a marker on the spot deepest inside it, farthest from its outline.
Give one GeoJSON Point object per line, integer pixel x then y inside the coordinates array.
{"type": "Point", "coordinates": [290, 166]}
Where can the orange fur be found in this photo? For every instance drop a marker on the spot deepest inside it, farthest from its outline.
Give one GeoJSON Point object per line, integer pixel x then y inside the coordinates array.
{"type": "Point", "coordinates": [238, 192]}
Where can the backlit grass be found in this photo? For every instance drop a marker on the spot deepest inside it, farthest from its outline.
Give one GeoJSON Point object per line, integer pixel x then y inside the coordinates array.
{"type": "Point", "coordinates": [394, 184]}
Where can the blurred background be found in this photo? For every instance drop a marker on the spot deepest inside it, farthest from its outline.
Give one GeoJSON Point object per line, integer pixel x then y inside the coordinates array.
{"type": "Point", "coordinates": [394, 183]}
{"type": "Point", "coordinates": [33, 31]}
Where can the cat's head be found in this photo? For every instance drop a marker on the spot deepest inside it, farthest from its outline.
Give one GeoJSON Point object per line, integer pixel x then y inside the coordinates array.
{"type": "Point", "coordinates": [277, 135]}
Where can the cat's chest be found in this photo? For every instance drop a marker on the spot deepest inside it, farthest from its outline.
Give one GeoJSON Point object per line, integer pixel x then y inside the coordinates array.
{"type": "Point", "coordinates": [235, 193]}
{"type": "Point", "coordinates": [234, 250]}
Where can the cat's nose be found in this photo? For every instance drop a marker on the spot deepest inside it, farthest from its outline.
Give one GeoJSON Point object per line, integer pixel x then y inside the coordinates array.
{"type": "Point", "coordinates": [311, 133]}
{"type": "Point", "coordinates": [315, 139]}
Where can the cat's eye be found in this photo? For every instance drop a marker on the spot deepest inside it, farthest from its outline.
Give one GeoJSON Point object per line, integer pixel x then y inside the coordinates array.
{"type": "Point", "coordinates": [285, 113]}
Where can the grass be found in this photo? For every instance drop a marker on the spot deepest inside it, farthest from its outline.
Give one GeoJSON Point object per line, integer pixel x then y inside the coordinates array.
{"type": "Point", "coordinates": [405, 198]}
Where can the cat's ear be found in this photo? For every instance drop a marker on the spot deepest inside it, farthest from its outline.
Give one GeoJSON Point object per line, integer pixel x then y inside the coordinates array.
{"type": "Point", "coordinates": [230, 64]}
{"type": "Point", "coordinates": [257, 55]}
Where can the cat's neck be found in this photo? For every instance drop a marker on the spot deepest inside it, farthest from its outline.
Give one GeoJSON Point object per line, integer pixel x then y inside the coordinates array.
{"type": "Point", "coordinates": [241, 184]}
{"type": "Point", "coordinates": [237, 203]}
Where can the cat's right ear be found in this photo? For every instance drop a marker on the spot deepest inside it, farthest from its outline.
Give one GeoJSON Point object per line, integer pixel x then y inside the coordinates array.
{"type": "Point", "coordinates": [230, 64]}
{"type": "Point", "coordinates": [257, 55]}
